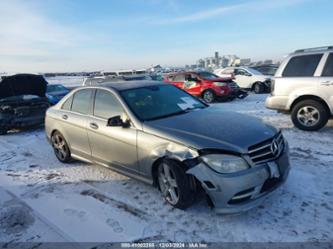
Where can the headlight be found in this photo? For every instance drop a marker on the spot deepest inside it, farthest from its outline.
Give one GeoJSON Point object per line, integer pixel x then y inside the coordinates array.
{"type": "Point", "coordinates": [220, 84]}
{"type": "Point", "coordinates": [223, 163]}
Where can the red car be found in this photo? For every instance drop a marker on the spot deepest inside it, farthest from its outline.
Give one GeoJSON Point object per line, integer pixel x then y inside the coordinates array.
{"type": "Point", "coordinates": [206, 85]}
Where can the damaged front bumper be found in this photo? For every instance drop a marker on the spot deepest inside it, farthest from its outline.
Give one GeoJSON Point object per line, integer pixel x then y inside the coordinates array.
{"type": "Point", "coordinates": [241, 191]}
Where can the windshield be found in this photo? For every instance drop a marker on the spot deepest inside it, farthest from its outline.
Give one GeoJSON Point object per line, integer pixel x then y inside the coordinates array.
{"type": "Point", "coordinates": [155, 102]}
{"type": "Point", "coordinates": [208, 75]}
{"type": "Point", "coordinates": [56, 88]}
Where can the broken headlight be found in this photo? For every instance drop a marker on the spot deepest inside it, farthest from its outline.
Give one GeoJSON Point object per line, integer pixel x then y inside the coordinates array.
{"type": "Point", "coordinates": [220, 84]}
{"type": "Point", "coordinates": [224, 163]}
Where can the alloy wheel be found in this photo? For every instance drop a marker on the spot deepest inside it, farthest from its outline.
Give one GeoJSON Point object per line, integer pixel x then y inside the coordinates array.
{"type": "Point", "coordinates": [168, 184]}
{"type": "Point", "coordinates": [308, 116]}
{"type": "Point", "coordinates": [60, 147]}
{"type": "Point", "coordinates": [208, 96]}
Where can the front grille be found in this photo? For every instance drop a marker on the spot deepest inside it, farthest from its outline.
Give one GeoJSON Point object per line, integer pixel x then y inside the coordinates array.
{"type": "Point", "coordinates": [268, 150]}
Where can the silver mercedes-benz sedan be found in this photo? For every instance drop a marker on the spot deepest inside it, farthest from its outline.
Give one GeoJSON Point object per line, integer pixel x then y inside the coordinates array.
{"type": "Point", "coordinates": [161, 135]}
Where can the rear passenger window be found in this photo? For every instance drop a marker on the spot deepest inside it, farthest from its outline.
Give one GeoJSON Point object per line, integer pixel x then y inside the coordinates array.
{"type": "Point", "coordinates": [328, 69]}
{"type": "Point", "coordinates": [179, 78]}
{"type": "Point", "coordinates": [81, 101]}
{"type": "Point", "coordinates": [68, 104]}
{"type": "Point", "coordinates": [106, 105]}
{"type": "Point", "coordinates": [302, 66]}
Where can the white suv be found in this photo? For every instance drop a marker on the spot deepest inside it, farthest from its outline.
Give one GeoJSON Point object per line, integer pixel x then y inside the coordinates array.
{"type": "Point", "coordinates": [247, 78]}
{"type": "Point", "coordinates": [303, 86]}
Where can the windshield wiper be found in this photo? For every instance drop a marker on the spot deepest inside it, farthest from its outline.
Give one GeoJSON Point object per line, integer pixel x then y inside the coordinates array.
{"type": "Point", "coordinates": [188, 109]}
{"type": "Point", "coordinates": [168, 115]}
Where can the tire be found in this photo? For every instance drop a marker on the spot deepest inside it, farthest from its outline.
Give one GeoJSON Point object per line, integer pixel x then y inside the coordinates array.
{"type": "Point", "coordinates": [258, 88]}
{"type": "Point", "coordinates": [177, 187]}
{"type": "Point", "coordinates": [309, 115]}
{"type": "Point", "coordinates": [60, 147]}
{"type": "Point", "coordinates": [209, 96]}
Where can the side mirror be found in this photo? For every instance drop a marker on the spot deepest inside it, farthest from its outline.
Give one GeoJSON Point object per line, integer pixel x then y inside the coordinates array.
{"type": "Point", "coordinates": [116, 121]}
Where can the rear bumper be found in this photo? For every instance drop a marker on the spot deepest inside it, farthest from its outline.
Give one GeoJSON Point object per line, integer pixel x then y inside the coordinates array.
{"type": "Point", "coordinates": [277, 103]}
{"type": "Point", "coordinates": [239, 192]}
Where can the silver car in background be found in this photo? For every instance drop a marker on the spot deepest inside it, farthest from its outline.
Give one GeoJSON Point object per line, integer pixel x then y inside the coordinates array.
{"type": "Point", "coordinates": [161, 135]}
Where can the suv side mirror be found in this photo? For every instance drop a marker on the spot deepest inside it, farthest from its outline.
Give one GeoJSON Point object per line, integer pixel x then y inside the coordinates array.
{"type": "Point", "coordinates": [116, 121]}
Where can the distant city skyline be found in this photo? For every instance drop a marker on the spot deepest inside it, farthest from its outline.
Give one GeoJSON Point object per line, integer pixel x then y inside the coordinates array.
{"type": "Point", "coordinates": [76, 35]}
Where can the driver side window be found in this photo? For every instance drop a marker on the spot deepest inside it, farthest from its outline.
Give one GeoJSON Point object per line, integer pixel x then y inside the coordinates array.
{"type": "Point", "coordinates": [106, 105]}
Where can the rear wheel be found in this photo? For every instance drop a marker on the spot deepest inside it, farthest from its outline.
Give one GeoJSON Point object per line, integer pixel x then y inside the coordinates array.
{"type": "Point", "coordinates": [60, 147]}
{"type": "Point", "coordinates": [209, 96]}
{"type": "Point", "coordinates": [177, 187]}
{"type": "Point", "coordinates": [258, 88]}
{"type": "Point", "coordinates": [309, 115]}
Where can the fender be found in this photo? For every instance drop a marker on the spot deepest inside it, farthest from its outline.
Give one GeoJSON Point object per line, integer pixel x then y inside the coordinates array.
{"type": "Point", "coordinates": [308, 91]}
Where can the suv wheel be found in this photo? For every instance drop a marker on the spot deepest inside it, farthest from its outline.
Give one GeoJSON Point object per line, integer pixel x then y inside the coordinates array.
{"type": "Point", "coordinates": [209, 96]}
{"type": "Point", "coordinates": [258, 88]}
{"type": "Point", "coordinates": [176, 186]}
{"type": "Point", "coordinates": [60, 147]}
{"type": "Point", "coordinates": [309, 115]}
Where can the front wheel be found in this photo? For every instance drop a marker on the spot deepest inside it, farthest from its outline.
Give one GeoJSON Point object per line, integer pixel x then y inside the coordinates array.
{"type": "Point", "coordinates": [209, 96]}
{"type": "Point", "coordinates": [309, 115]}
{"type": "Point", "coordinates": [258, 88]}
{"type": "Point", "coordinates": [177, 187]}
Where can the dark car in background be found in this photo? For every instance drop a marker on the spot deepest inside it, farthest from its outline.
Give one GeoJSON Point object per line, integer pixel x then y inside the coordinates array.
{"type": "Point", "coordinates": [55, 93]}
{"type": "Point", "coordinates": [268, 69]}
{"type": "Point", "coordinates": [22, 101]}
{"type": "Point", "coordinates": [205, 85]}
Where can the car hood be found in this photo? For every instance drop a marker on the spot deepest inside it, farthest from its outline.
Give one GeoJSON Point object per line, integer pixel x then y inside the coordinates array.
{"type": "Point", "coordinates": [212, 128]}
{"type": "Point", "coordinates": [23, 84]}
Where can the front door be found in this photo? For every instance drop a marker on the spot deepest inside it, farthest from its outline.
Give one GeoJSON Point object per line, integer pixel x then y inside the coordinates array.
{"type": "Point", "coordinates": [112, 146]}
{"type": "Point", "coordinates": [326, 80]}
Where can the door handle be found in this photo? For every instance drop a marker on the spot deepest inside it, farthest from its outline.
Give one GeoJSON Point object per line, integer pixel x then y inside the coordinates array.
{"type": "Point", "coordinates": [93, 126]}
{"type": "Point", "coordinates": [64, 117]}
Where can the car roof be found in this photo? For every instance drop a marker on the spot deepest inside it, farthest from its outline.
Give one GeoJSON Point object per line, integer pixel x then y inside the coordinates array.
{"type": "Point", "coordinates": [127, 85]}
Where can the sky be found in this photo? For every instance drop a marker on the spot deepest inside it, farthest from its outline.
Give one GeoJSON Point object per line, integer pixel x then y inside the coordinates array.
{"type": "Point", "coordinates": [86, 35]}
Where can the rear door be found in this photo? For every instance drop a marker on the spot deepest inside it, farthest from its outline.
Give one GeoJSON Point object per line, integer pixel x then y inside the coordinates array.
{"type": "Point", "coordinates": [243, 78]}
{"type": "Point", "coordinates": [192, 84]}
{"type": "Point", "coordinates": [112, 146]}
{"type": "Point", "coordinates": [326, 80]}
{"type": "Point", "coordinates": [74, 120]}
{"type": "Point", "coordinates": [178, 80]}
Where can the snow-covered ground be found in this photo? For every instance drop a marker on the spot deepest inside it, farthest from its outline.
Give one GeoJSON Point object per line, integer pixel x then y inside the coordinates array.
{"type": "Point", "coordinates": [44, 200]}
